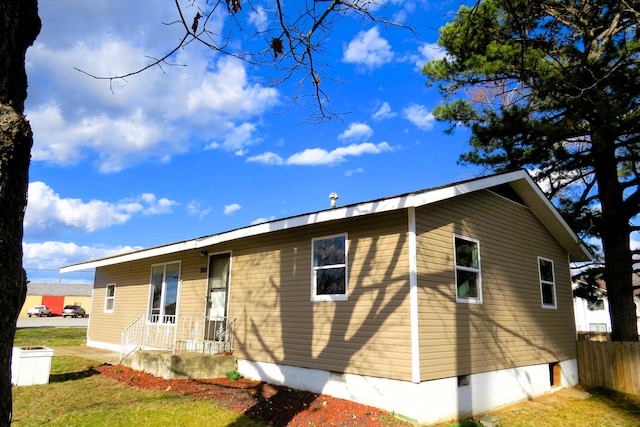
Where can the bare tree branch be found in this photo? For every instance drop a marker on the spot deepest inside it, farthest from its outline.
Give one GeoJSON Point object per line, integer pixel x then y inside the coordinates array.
{"type": "Point", "coordinates": [303, 35]}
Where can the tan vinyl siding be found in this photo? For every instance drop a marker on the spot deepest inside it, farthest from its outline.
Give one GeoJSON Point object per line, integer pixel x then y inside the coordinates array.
{"type": "Point", "coordinates": [369, 334]}
{"type": "Point", "coordinates": [510, 328]}
{"type": "Point", "coordinates": [270, 293]}
{"type": "Point", "coordinates": [132, 293]}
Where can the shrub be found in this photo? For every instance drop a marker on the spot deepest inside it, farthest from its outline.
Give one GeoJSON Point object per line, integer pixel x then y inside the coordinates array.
{"type": "Point", "coordinates": [234, 375]}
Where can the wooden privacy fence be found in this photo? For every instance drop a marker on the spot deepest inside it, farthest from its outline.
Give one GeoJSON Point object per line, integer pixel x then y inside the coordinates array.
{"type": "Point", "coordinates": [612, 365]}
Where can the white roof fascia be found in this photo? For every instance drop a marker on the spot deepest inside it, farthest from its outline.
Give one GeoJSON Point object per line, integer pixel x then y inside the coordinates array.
{"type": "Point", "coordinates": [377, 206]}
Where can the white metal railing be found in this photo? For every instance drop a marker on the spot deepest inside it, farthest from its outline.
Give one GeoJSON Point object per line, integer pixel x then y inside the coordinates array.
{"type": "Point", "coordinates": [130, 337]}
{"type": "Point", "coordinates": [201, 334]}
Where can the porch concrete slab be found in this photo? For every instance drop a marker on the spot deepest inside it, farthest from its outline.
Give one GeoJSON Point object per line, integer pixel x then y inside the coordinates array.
{"type": "Point", "coordinates": [182, 364]}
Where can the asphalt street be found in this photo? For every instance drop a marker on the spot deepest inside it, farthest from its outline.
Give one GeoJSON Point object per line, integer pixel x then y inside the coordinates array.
{"type": "Point", "coordinates": [55, 321]}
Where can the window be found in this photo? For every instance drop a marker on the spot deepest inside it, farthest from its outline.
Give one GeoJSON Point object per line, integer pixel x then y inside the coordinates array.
{"type": "Point", "coordinates": [109, 298]}
{"type": "Point", "coordinates": [467, 260]}
{"type": "Point", "coordinates": [547, 282]}
{"type": "Point", "coordinates": [163, 292]}
{"type": "Point", "coordinates": [329, 268]}
{"type": "Point", "coordinates": [597, 327]}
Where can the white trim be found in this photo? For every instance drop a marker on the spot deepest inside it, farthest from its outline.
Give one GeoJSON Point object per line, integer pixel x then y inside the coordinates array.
{"type": "Point", "coordinates": [478, 271]}
{"type": "Point", "coordinates": [163, 291]}
{"type": "Point", "coordinates": [554, 283]}
{"type": "Point", "coordinates": [108, 298]}
{"type": "Point", "coordinates": [206, 282]}
{"type": "Point", "coordinates": [413, 297]}
{"type": "Point", "coordinates": [520, 180]}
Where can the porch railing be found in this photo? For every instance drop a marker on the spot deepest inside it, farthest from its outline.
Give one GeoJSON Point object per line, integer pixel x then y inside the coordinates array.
{"type": "Point", "coordinates": [201, 334]}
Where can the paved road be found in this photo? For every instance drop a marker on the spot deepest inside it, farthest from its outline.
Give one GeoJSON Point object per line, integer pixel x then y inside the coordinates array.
{"type": "Point", "coordinates": [55, 321]}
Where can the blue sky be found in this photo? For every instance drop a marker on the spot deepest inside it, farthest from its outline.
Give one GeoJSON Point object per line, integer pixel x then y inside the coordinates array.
{"type": "Point", "coordinates": [185, 152]}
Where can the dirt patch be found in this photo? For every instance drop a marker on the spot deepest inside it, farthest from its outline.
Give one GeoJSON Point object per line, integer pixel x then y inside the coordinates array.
{"type": "Point", "coordinates": [270, 404]}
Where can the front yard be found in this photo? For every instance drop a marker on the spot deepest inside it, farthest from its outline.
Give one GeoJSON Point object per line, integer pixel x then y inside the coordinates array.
{"type": "Point", "coordinates": [79, 395]}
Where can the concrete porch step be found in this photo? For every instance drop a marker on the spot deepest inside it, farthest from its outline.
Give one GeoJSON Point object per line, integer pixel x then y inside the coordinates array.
{"type": "Point", "coordinates": [182, 364]}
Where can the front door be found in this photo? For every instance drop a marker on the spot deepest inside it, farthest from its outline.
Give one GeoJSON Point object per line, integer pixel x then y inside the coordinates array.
{"type": "Point", "coordinates": [217, 292]}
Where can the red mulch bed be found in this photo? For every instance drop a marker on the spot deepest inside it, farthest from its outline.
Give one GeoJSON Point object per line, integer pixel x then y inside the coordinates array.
{"type": "Point", "coordinates": [270, 404]}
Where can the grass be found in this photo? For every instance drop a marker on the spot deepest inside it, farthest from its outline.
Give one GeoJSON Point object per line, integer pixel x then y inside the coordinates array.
{"type": "Point", "coordinates": [77, 396]}
{"type": "Point", "coordinates": [602, 408]}
{"type": "Point", "coordinates": [50, 337]}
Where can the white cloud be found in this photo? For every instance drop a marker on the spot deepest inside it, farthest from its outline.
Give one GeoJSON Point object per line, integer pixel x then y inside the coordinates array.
{"type": "Point", "coordinates": [156, 206]}
{"type": "Point", "coordinates": [228, 92]}
{"type": "Point", "coordinates": [419, 116]}
{"type": "Point", "coordinates": [154, 115]}
{"type": "Point", "coordinates": [384, 112]}
{"type": "Point", "coordinates": [368, 50]}
{"type": "Point", "coordinates": [194, 209]}
{"type": "Point", "coordinates": [48, 213]}
{"type": "Point", "coordinates": [429, 51]}
{"type": "Point", "coordinates": [229, 209]}
{"type": "Point", "coordinates": [267, 158]}
{"type": "Point", "coordinates": [351, 172]}
{"type": "Point", "coordinates": [238, 137]}
{"type": "Point", "coordinates": [120, 141]}
{"type": "Point", "coordinates": [356, 131]}
{"type": "Point", "coordinates": [258, 17]}
{"type": "Point", "coordinates": [319, 156]}
{"type": "Point", "coordinates": [51, 255]}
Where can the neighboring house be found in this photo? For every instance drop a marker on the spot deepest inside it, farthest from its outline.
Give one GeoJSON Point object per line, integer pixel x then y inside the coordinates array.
{"type": "Point", "coordinates": [57, 295]}
{"type": "Point", "coordinates": [433, 304]}
{"type": "Point", "coordinates": [594, 316]}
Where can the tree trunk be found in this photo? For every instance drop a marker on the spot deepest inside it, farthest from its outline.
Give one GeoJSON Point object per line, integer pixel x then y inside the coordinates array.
{"type": "Point", "coordinates": [614, 233]}
{"type": "Point", "coordinates": [19, 27]}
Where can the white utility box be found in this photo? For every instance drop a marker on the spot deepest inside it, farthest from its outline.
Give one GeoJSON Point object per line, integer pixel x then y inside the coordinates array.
{"type": "Point", "coordinates": [31, 365]}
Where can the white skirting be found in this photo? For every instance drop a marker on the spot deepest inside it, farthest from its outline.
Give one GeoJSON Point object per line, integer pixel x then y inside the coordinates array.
{"type": "Point", "coordinates": [104, 345]}
{"type": "Point", "coordinates": [426, 402]}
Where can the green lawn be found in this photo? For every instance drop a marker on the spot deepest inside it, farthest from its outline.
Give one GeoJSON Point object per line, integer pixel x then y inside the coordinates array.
{"type": "Point", "coordinates": [50, 337]}
{"type": "Point", "coordinates": [77, 396]}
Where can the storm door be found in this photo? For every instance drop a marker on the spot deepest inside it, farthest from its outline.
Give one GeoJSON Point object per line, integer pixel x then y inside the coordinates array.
{"type": "Point", "coordinates": [217, 293]}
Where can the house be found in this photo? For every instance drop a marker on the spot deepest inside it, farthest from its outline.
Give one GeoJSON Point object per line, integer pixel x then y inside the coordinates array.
{"type": "Point", "coordinates": [593, 316]}
{"type": "Point", "coordinates": [57, 295]}
{"type": "Point", "coordinates": [434, 304]}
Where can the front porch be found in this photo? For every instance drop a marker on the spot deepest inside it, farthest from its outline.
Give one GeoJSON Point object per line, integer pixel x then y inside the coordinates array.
{"type": "Point", "coordinates": [184, 334]}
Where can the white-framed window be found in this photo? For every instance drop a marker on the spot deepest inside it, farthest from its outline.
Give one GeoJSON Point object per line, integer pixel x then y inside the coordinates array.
{"type": "Point", "coordinates": [163, 292]}
{"type": "Point", "coordinates": [329, 268]}
{"type": "Point", "coordinates": [109, 298]}
{"type": "Point", "coordinates": [547, 282]}
{"type": "Point", "coordinates": [467, 265]}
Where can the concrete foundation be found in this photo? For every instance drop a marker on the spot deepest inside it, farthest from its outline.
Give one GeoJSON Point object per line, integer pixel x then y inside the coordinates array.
{"type": "Point", "coordinates": [181, 365]}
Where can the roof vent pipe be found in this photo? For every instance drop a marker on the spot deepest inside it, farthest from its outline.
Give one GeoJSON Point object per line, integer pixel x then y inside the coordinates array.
{"type": "Point", "coordinates": [333, 197]}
